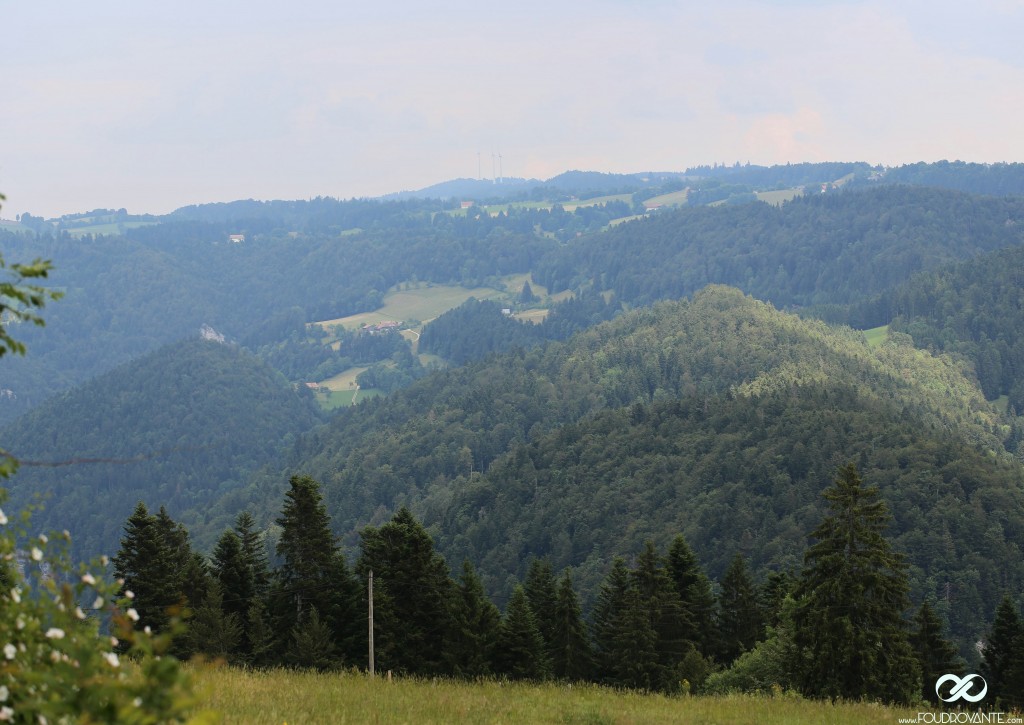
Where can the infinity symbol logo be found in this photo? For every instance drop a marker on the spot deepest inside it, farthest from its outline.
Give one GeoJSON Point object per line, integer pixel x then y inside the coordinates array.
{"type": "Point", "coordinates": [961, 688]}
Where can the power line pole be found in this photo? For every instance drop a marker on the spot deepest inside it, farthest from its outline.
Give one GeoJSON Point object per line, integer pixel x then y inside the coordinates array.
{"type": "Point", "coordinates": [370, 588]}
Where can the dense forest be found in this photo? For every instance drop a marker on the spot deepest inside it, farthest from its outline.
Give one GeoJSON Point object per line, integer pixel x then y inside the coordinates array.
{"type": "Point", "coordinates": [182, 426]}
{"type": "Point", "coordinates": [658, 624]}
{"type": "Point", "coordinates": [831, 248]}
{"type": "Point", "coordinates": [719, 418]}
{"type": "Point", "coordinates": [645, 406]}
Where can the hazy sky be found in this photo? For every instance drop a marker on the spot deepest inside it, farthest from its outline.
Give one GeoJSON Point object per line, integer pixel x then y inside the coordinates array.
{"type": "Point", "coordinates": [152, 106]}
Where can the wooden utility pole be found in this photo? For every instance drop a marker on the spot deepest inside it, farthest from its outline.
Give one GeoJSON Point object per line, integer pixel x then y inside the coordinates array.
{"type": "Point", "coordinates": [370, 589]}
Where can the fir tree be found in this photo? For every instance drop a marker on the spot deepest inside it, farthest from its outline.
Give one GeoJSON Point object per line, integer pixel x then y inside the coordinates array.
{"type": "Point", "coordinates": [475, 623]}
{"type": "Point", "coordinates": [540, 589]}
{"type": "Point", "coordinates": [608, 615]}
{"type": "Point", "coordinates": [661, 605]}
{"type": "Point", "coordinates": [255, 551]}
{"type": "Point", "coordinates": [635, 646]}
{"type": "Point", "coordinates": [312, 643]}
{"type": "Point", "coordinates": [313, 573]}
{"type": "Point", "coordinates": [214, 631]}
{"type": "Point", "coordinates": [740, 620]}
{"type": "Point", "coordinates": [851, 594]}
{"type": "Point", "coordinates": [150, 567]}
{"type": "Point", "coordinates": [1001, 653]}
{"type": "Point", "coordinates": [520, 651]}
{"type": "Point", "coordinates": [572, 658]}
{"type": "Point", "coordinates": [259, 636]}
{"type": "Point", "coordinates": [935, 655]}
{"type": "Point", "coordinates": [695, 592]}
{"type": "Point", "coordinates": [233, 574]}
{"type": "Point", "coordinates": [413, 595]}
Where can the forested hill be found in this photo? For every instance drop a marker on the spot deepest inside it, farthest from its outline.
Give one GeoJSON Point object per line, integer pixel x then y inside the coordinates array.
{"type": "Point", "coordinates": [719, 417]}
{"type": "Point", "coordinates": [178, 427]}
{"type": "Point", "coordinates": [827, 248]}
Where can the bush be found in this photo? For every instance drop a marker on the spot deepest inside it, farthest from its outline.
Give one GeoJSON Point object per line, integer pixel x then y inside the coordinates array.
{"type": "Point", "coordinates": [68, 648]}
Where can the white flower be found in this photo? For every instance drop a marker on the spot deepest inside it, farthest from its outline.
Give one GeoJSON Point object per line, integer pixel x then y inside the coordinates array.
{"type": "Point", "coordinates": [98, 603]}
{"type": "Point", "coordinates": [79, 613]}
{"type": "Point", "coordinates": [104, 560]}
{"type": "Point", "coordinates": [10, 650]}
{"type": "Point", "coordinates": [113, 641]}
{"type": "Point", "coordinates": [4, 692]}
{"type": "Point", "coordinates": [147, 630]}
{"type": "Point", "coordinates": [16, 596]}
{"type": "Point", "coordinates": [3, 518]}
{"type": "Point", "coordinates": [129, 594]}
{"type": "Point", "coordinates": [132, 615]}
{"type": "Point", "coordinates": [6, 713]}
{"type": "Point", "coordinates": [20, 623]}
{"type": "Point", "coordinates": [55, 656]}
{"type": "Point", "coordinates": [55, 633]}
{"type": "Point", "coordinates": [37, 554]}
{"type": "Point", "coordinates": [88, 579]}
{"type": "Point", "coordinates": [111, 659]}
{"type": "Point", "coordinates": [137, 702]}
{"type": "Point", "coordinates": [43, 538]}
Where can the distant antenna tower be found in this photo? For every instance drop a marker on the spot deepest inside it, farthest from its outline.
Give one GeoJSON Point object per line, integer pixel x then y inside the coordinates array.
{"type": "Point", "coordinates": [494, 178]}
{"type": "Point", "coordinates": [501, 176]}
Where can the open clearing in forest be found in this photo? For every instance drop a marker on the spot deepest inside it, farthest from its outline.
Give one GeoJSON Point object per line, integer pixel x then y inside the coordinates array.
{"type": "Point", "coordinates": [422, 303]}
{"type": "Point", "coordinates": [778, 196]}
{"type": "Point", "coordinates": [282, 696]}
{"type": "Point", "coordinates": [877, 335]}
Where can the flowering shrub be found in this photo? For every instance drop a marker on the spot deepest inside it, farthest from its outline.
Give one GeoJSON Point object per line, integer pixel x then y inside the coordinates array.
{"type": "Point", "coordinates": [68, 649]}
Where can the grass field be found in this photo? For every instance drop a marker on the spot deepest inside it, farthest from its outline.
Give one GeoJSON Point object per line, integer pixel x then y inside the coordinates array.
{"type": "Point", "coordinates": [278, 696]}
{"type": "Point", "coordinates": [777, 197]}
{"type": "Point", "coordinates": [110, 229]}
{"type": "Point", "coordinates": [423, 304]}
{"type": "Point", "coordinates": [675, 198]}
{"type": "Point", "coordinates": [877, 335]}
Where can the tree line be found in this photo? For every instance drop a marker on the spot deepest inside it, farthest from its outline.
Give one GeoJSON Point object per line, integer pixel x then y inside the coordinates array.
{"type": "Point", "coordinates": [836, 628]}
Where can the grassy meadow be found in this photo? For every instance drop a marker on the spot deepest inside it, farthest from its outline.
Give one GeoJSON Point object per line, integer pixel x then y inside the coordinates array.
{"type": "Point", "coordinates": [281, 696]}
{"type": "Point", "coordinates": [675, 198]}
{"type": "Point", "coordinates": [877, 335]}
{"type": "Point", "coordinates": [778, 196]}
{"type": "Point", "coordinates": [423, 303]}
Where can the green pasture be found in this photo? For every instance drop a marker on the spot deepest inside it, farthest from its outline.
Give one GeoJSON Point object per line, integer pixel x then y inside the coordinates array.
{"type": "Point", "coordinates": [877, 335]}
{"type": "Point", "coordinates": [675, 198]}
{"type": "Point", "coordinates": [423, 303]}
{"type": "Point", "coordinates": [281, 696]}
{"type": "Point", "coordinates": [108, 228]}
{"type": "Point", "coordinates": [779, 196]}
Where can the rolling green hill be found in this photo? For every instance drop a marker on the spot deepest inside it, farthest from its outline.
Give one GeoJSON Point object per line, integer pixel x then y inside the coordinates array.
{"type": "Point", "coordinates": [719, 417]}
{"type": "Point", "coordinates": [179, 427]}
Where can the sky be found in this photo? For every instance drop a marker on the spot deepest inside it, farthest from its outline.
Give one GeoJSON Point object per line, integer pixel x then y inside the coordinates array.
{"type": "Point", "coordinates": [152, 106]}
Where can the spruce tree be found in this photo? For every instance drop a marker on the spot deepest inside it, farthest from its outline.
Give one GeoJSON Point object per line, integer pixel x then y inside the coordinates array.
{"type": "Point", "coordinates": [520, 651]}
{"type": "Point", "coordinates": [312, 643]}
{"type": "Point", "coordinates": [1001, 653]}
{"type": "Point", "coordinates": [413, 595]}
{"type": "Point", "coordinates": [636, 646]}
{"type": "Point", "coordinates": [233, 574]}
{"type": "Point", "coordinates": [663, 608]}
{"type": "Point", "coordinates": [255, 551]}
{"type": "Point", "coordinates": [151, 562]}
{"type": "Point", "coordinates": [214, 631]}
{"type": "Point", "coordinates": [475, 624]}
{"type": "Point", "coordinates": [935, 655]}
{"type": "Point", "coordinates": [740, 619]}
{"type": "Point", "coordinates": [851, 596]}
{"type": "Point", "coordinates": [608, 615]}
{"type": "Point", "coordinates": [313, 574]}
{"type": "Point", "coordinates": [694, 590]}
{"type": "Point", "coordinates": [571, 655]}
{"type": "Point", "coordinates": [541, 592]}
